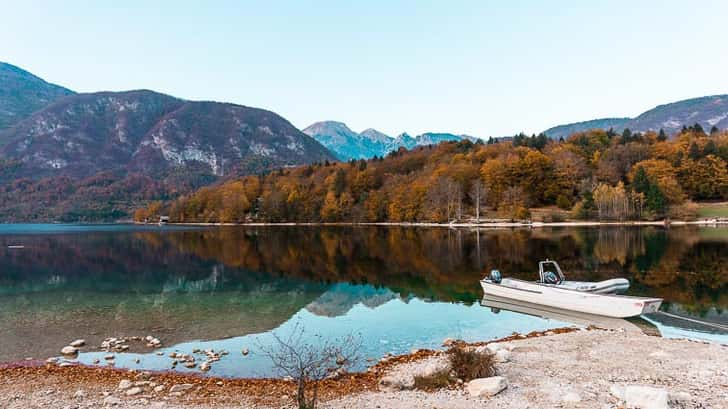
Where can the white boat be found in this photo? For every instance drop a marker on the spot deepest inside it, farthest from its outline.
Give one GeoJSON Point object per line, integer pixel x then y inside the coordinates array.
{"type": "Point", "coordinates": [584, 297]}
{"type": "Point", "coordinates": [497, 304]}
{"type": "Point", "coordinates": [550, 273]}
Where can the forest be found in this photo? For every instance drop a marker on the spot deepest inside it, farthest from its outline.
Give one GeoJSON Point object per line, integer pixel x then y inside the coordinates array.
{"type": "Point", "coordinates": [592, 175]}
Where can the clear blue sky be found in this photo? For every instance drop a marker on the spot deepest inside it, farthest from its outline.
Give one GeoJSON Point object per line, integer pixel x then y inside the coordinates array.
{"type": "Point", "coordinates": [477, 67]}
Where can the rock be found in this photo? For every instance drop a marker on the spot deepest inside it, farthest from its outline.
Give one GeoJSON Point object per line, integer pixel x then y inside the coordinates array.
{"type": "Point", "coordinates": [124, 384]}
{"type": "Point", "coordinates": [109, 357]}
{"type": "Point", "coordinates": [245, 351]}
{"type": "Point", "coordinates": [571, 397]}
{"type": "Point", "coordinates": [65, 364]}
{"type": "Point", "coordinates": [51, 360]}
{"type": "Point", "coordinates": [79, 394]}
{"type": "Point", "coordinates": [134, 391]}
{"type": "Point", "coordinates": [448, 342]}
{"type": "Point", "coordinates": [641, 397]}
{"type": "Point", "coordinates": [159, 388]}
{"type": "Point", "coordinates": [403, 378]}
{"type": "Point", "coordinates": [219, 383]}
{"type": "Point", "coordinates": [205, 366]}
{"type": "Point", "coordinates": [679, 398]}
{"type": "Point", "coordinates": [484, 387]}
{"type": "Point", "coordinates": [391, 383]}
{"type": "Point", "coordinates": [69, 350]}
{"type": "Point", "coordinates": [503, 355]}
{"type": "Point", "coordinates": [181, 387]}
{"type": "Point", "coordinates": [78, 343]}
{"type": "Point", "coordinates": [190, 365]}
{"type": "Point", "coordinates": [112, 401]}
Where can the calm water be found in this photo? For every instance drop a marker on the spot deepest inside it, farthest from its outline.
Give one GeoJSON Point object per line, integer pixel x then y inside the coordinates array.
{"type": "Point", "coordinates": [399, 288]}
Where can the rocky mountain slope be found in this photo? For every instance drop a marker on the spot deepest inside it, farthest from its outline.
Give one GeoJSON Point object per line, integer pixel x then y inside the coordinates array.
{"type": "Point", "coordinates": [707, 111]}
{"type": "Point", "coordinates": [96, 156]}
{"type": "Point", "coordinates": [347, 144]}
{"type": "Point", "coordinates": [151, 133]}
{"type": "Point", "coordinates": [22, 93]}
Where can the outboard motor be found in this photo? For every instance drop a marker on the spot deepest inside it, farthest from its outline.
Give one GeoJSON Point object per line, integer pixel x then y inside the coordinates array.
{"type": "Point", "coordinates": [495, 276]}
{"type": "Point", "coordinates": [549, 277]}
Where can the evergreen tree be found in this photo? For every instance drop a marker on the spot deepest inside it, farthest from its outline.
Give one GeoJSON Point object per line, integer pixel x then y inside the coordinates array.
{"type": "Point", "coordinates": [641, 183]}
{"type": "Point", "coordinates": [714, 130]}
{"type": "Point", "coordinates": [626, 135]}
{"type": "Point", "coordinates": [698, 129]}
{"type": "Point", "coordinates": [662, 136]}
{"type": "Point", "coordinates": [710, 148]}
{"type": "Point", "coordinates": [656, 201]}
{"type": "Point", "coordinates": [694, 151]}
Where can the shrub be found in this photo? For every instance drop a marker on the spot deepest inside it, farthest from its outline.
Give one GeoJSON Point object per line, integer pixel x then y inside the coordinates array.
{"type": "Point", "coordinates": [437, 380]}
{"type": "Point", "coordinates": [469, 364]}
{"type": "Point", "coordinates": [563, 202]}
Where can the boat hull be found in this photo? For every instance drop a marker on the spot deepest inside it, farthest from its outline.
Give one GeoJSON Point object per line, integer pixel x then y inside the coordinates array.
{"type": "Point", "coordinates": [607, 305]}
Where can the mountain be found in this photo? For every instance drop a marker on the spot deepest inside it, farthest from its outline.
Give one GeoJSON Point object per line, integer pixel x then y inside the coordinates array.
{"type": "Point", "coordinates": [22, 93]}
{"type": "Point", "coordinates": [152, 133]}
{"type": "Point", "coordinates": [347, 144]}
{"type": "Point", "coordinates": [338, 138]}
{"type": "Point", "coordinates": [563, 131]}
{"type": "Point", "coordinates": [98, 156]}
{"type": "Point", "coordinates": [707, 111]}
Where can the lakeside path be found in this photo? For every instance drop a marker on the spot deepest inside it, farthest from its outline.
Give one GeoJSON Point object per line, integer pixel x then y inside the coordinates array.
{"type": "Point", "coordinates": [556, 369]}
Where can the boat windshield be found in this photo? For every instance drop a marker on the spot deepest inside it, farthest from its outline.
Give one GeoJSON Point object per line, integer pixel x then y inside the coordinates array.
{"type": "Point", "coordinates": [550, 272]}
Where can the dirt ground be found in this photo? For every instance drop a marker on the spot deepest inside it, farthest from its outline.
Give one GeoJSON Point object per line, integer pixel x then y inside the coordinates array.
{"type": "Point", "coordinates": [573, 369]}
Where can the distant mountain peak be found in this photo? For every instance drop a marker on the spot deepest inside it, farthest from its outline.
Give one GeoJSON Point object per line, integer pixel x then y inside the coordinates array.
{"type": "Point", "coordinates": [347, 144]}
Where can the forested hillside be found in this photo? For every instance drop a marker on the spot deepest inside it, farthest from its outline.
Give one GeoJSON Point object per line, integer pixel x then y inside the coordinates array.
{"type": "Point", "coordinates": [594, 174]}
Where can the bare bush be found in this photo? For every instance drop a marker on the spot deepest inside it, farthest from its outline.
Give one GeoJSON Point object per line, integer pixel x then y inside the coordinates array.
{"type": "Point", "coordinates": [469, 364]}
{"type": "Point", "coordinates": [308, 360]}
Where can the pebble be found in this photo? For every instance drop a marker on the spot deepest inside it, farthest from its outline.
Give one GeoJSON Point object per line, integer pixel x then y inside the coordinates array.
{"type": "Point", "coordinates": [125, 384]}
{"type": "Point", "coordinates": [134, 391]}
{"type": "Point", "coordinates": [69, 350]}
{"type": "Point", "coordinates": [159, 388]}
{"type": "Point", "coordinates": [181, 387]}
{"type": "Point", "coordinates": [112, 400]}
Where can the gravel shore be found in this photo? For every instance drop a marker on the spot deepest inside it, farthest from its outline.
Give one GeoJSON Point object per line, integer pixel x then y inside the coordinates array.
{"type": "Point", "coordinates": [579, 369]}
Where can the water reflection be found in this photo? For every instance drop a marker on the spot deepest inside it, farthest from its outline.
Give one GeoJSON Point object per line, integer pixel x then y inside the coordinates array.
{"type": "Point", "coordinates": [239, 283]}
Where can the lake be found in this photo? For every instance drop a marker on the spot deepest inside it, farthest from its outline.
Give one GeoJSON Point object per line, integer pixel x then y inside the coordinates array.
{"type": "Point", "coordinates": [396, 288]}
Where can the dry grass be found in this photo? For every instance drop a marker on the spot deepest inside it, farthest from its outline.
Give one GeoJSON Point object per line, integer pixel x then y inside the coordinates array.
{"type": "Point", "coordinates": [437, 380]}
{"type": "Point", "coordinates": [468, 364]}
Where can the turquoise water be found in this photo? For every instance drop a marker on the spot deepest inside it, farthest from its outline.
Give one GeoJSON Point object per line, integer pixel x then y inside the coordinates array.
{"type": "Point", "coordinates": [395, 289]}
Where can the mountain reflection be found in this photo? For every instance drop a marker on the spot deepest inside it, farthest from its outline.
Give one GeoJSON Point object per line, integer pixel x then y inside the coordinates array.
{"type": "Point", "coordinates": [217, 283]}
{"type": "Point", "coordinates": [688, 266]}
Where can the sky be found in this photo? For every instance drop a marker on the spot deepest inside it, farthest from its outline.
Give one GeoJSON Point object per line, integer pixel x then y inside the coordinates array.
{"type": "Point", "coordinates": [484, 68]}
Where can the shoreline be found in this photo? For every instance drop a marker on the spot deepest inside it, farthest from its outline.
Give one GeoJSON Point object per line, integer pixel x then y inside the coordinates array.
{"type": "Point", "coordinates": [590, 363]}
{"type": "Point", "coordinates": [591, 223]}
